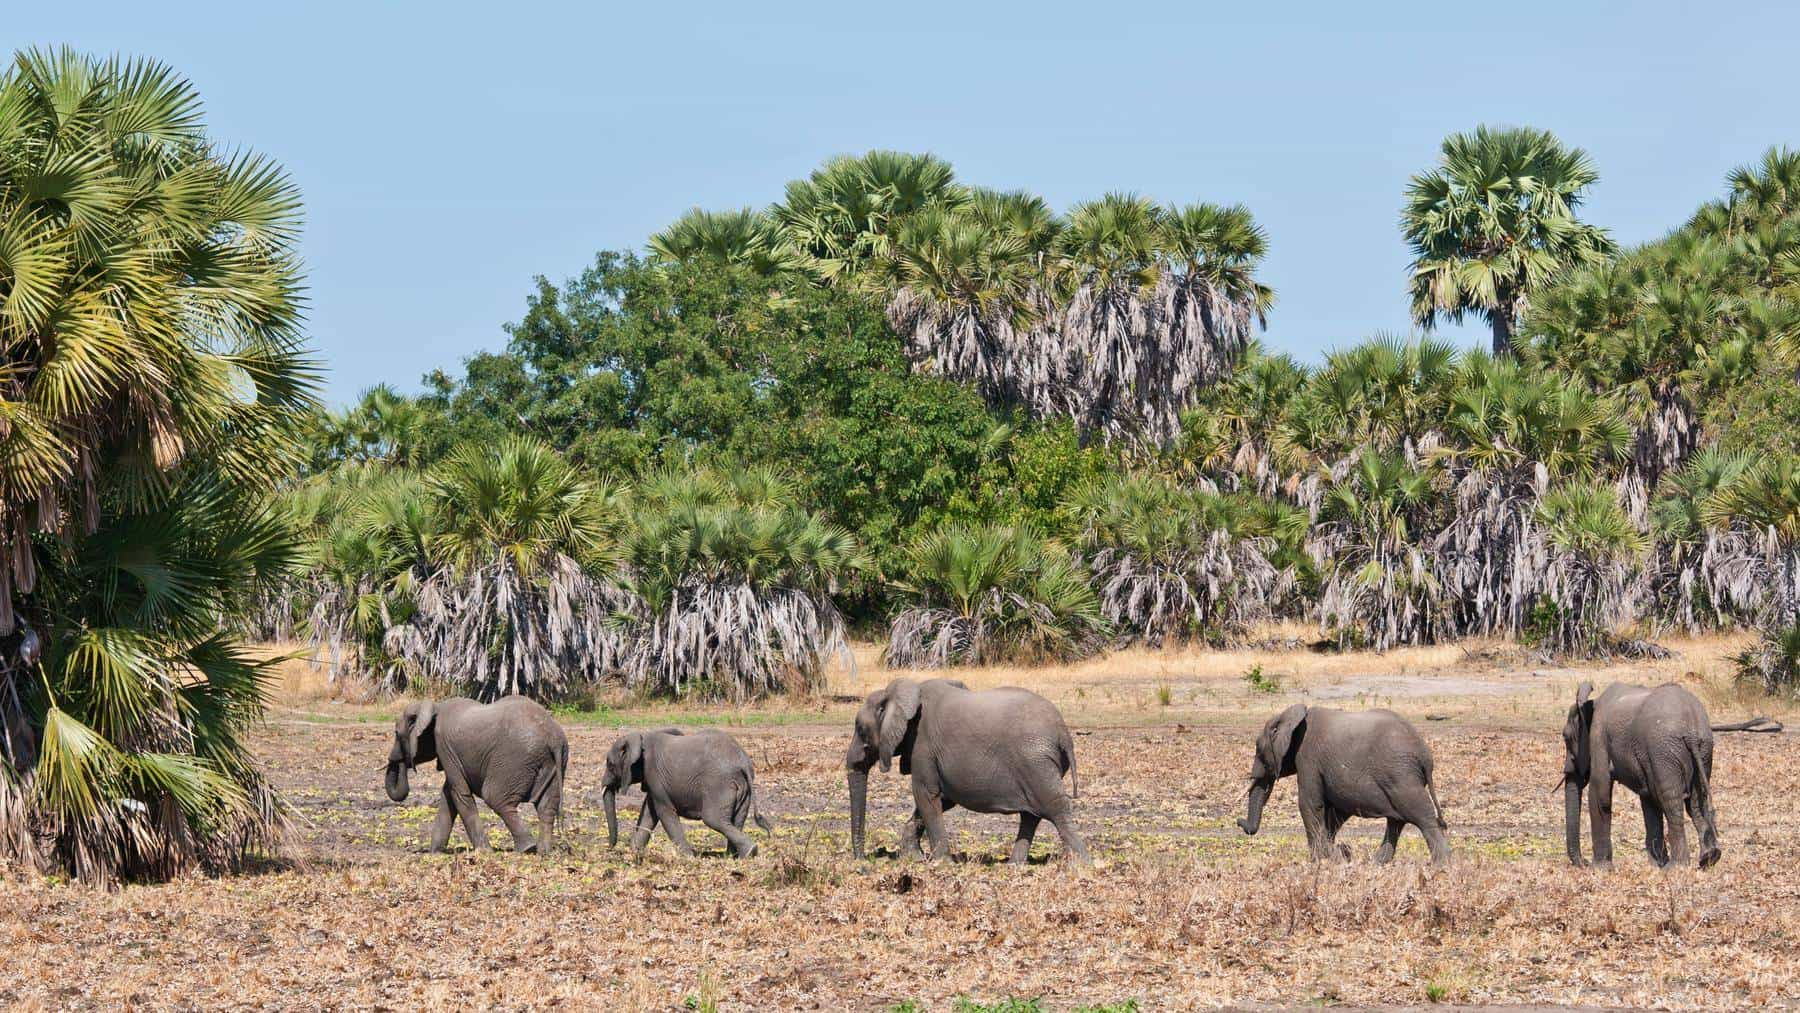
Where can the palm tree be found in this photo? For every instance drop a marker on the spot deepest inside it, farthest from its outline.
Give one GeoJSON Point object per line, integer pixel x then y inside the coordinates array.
{"type": "Point", "coordinates": [1494, 223]}
{"type": "Point", "coordinates": [743, 237]}
{"type": "Point", "coordinates": [964, 302]}
{"type": "Point", "coordinates": [734, 585]}
{"type": "Point", "coordinates": [843, 217]}
{"type": "Point", "coordinates": [1380, 585]}
{"type": "Point", "coordinates": [1591, 581]}
{"type": "Point", "coordinates": [1158, 306]}
{"type": "Point", "coordinates": [993, 594]}
{"type": "Point", "coordinates": [510, 604]}
{"type": "Point", "coordinates": [1171, 565]}
{"type": "Point", "coordinates": [153, 385]}
{"type": "Point", "coordinates": [1766, 191]}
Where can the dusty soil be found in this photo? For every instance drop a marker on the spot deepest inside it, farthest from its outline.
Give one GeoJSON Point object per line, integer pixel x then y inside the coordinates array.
{"type": "Point", "coordinates": [1181, 910]}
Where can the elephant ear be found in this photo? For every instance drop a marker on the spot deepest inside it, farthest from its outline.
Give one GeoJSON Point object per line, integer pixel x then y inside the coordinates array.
{"type": "Point", "coordinates": [1583, 710]}
{"type": "Point", "coordinates": [1281, 740]}
{"type": "Point", "coordinates": [1582, 694]}
{"type": "Point", "coordinates": [897, 716]}
{"type": "Point", "coordinates": [626, 755]}
{"type": "Point", "coordinates": [421, 723]}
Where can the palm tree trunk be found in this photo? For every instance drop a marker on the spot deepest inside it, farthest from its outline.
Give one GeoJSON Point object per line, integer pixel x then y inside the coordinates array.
{"type": "Point", "coordinates": [1503, 329]}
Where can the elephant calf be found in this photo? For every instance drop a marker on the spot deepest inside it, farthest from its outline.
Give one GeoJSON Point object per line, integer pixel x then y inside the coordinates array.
{"type": "Point", "coordinates": [506, 752]}
{"type": "Point", "coordinates": [1656, 742]}
{"type": "Point", "coordinates": [1356, 763]}
{"type": "Point", "coordinates": [996, 751]}
{"type": "Point", "coordinates": [700, 775]}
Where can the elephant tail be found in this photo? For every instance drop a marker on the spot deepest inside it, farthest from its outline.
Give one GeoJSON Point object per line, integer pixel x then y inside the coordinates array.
{"type": "Point", "coordinates": [1701, 784]}
{"type": "Point", "coordinates": [1068, 754]}
{"type": "Point", "coordinates": [750, 800]}
{"type": "Point", "coordinates": [1436, 806]}
{"type": "Point", "coordinates": [550, 774]}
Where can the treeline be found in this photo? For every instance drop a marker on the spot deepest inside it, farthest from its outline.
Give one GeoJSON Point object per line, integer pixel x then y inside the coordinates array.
{"type": "Point", "coordinates": [1588, 487]}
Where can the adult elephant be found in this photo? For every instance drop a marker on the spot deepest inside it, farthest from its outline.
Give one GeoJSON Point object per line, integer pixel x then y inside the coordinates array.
{"type": "Point", "coordinates": [994, 751]}
{"type": "Point", "coordinates": [1658, 743]}
{"type": "Point", "coordinates": [1348, 763]}
{"type": "Point", "coordinates": [505, 753]}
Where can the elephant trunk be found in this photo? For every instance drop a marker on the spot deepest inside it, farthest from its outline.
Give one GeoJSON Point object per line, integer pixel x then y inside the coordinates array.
{"type": "Point", "coordinates": [397, 787]}
{"type": "Point", "coordinates": [1259, 796]}
{"type": "Point", "coordinates": [1572, 819]}
{"type": "Point", "coordinates": [859, 805]}
{"type": "Point", "coordinates": [610, 800]}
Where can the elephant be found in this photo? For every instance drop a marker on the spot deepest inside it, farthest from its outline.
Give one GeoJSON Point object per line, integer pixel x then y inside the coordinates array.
{"type": "Point", "coordinates": [1349, 763]}
{"type": "Point", "coordinates": [506, 752]}
{"type": "Point", "coordinates": [1656, 742]}
{"type": "Point", "coordinates": [993, 751]}
{"type": "Point", "coordinates": [701, 775]}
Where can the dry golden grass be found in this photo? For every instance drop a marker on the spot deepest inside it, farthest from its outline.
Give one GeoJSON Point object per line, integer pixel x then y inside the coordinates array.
{"type": "Point", "coordinates": [1182, 909]}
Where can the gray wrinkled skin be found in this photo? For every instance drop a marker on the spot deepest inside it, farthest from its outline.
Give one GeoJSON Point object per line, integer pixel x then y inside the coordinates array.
{"type": "Point", "coordinates": [1657, 743]}
{"type": "Point", "coordinates": [505, 753]}
{"type": "Point", "coordinates": [698, 775]}
{"type": "Point", "coordinates": [1349, 763]}
{"type": "Point", "coordinates": [996, 751]}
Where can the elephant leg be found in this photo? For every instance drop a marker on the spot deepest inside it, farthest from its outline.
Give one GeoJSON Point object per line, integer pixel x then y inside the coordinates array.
{"type": "Point", "coordinates": [1315, 814]}
{"type": "Point", "coordinates": [909, 836]}
{"type": "Point", "coordinates": [440, 827]}
{"type": "Point", "coordinates": [1021, 849]}
{"type": "Point", "coordinates": [741, 844]}
{"type": "Point", "coordinates": [464, 804]}
{"type": "Point", "coordinates": [931, 811]}
{"type": "Point", "coordinates": [1389, 841]}
{"type": "Point", "coordinates": [1706, 828]}
{"type": "Point", "coordinates": [1312, 817]}
{"type": "Point", "coordinates": [549, 811]}
{"type": "Point", "coordinates": [640, 837]}
{"type": "Point", "coordinates": [1064, 822]}
{"type": "Point", "coordinates": [1653, 830]}
{"type": "Point", "coordinates": [671, 823]}
{"type": "Point", "coordinates": [1417, 807]}
{"type": "Point", "coordinates": [1673, 805]}
{"type": "Point", "coordinates": [509, 815]}
{"type": "Point", "coordinates": [1334, 822]}
{"type": "Point", "coordinates": [1600, 813]}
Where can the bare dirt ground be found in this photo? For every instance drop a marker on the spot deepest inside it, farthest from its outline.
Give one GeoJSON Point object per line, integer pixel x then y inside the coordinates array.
{"type": "Point", "coordinates": [1181, 909]}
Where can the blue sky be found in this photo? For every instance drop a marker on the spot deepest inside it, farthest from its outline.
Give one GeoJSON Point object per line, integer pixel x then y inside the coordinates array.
{"type": "Point", "coordinates": [449, 152]}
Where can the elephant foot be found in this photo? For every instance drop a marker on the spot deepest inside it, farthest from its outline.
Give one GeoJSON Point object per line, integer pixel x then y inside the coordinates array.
{"type": "Point", "coordinates": [748, 852]}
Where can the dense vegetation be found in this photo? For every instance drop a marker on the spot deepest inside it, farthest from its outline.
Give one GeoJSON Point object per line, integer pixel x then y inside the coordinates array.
{"type": "Point", "coordinates": [894, 350]}
{"type": "Point", "coordinates": [150, 400]}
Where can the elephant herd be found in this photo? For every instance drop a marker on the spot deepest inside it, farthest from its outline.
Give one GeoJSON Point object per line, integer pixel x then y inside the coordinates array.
{"type": "Point", "coordinates": [1007, 751]}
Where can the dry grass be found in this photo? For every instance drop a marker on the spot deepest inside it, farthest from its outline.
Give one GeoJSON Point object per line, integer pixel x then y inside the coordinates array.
{"type": "Point", "coordinates": [1181, 910]}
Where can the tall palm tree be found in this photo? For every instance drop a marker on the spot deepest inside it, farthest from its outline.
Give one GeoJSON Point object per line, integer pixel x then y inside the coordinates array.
{"type": "Point", "coordinates": [964, 302]}
{"type": "Point", "coordinates": [153, 384]}
{"type": "Point", "coordinates": [844, 216]}
{"type": "Point", "coordinates": [1494, 223]}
